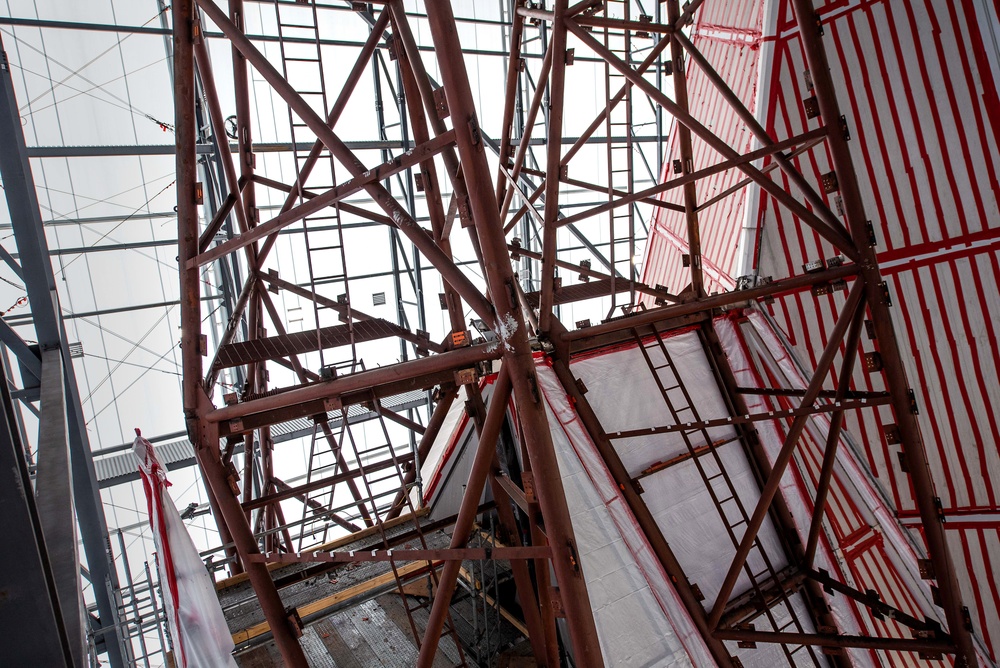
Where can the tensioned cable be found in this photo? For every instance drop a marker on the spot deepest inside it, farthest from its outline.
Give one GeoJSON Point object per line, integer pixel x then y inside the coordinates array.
{"type": "Point", "coordinates": [124, 220]}
{"type": "Point", "coordinates": [88, 93]}
{"type": "Point", "coordinates": [90, 62]}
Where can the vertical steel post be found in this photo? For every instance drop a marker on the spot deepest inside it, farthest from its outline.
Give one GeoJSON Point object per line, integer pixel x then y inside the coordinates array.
{"type": "Point", "coordinates": [203, 435]}
{"type": "Point", "coordinates": [511, 330]}
{"type": "Point", "coordinates": [686, 155]}
{"type": "Point", "coordinates": [556, 95]}
{"type": "Point", "coordinates": [810, 29]}
{"type": "Point", "coordinates": [39, 283]}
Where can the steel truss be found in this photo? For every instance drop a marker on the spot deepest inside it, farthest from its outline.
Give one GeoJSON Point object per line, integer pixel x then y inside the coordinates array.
{"type": "Point", "coordinates": [437, 121]}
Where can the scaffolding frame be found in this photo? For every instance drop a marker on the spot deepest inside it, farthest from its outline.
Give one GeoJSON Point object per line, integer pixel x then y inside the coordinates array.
{"type": "Point", "coordinates": [479, 200]}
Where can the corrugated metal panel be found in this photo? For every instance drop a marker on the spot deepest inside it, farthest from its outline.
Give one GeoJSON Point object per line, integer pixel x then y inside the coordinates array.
{"type": "Point", "coordinates": [121, 468]}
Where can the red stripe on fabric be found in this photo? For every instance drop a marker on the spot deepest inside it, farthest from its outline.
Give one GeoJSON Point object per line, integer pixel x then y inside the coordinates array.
{"type": "Point", "coordinates": [986, 562]}
{"type": "Point", "coordinates": [923, 376]}
{"type": "Point", "coordinates": [154, 504]}
{"type": "Point", "coordinates": [987, 79]}
{"type": "Point", "coordinates": [977, 372]}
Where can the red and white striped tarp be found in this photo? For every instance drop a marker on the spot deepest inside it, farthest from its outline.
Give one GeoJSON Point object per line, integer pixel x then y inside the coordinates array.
{"type": "Point", "coordinates": [197, 626]}
{"type": "Point", "coordinates": [917, 82]}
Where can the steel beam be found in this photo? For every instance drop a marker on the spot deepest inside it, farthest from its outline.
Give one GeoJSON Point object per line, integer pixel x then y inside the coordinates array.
{"type": "Point", "coordinates": [811, 31]}
{"type": "Point", "coordinates": [30, 614]}
{"type": "Point", "coordinates": [511, 327]}
{"type": "Point", "coordinates": [26, 221]}
{"type": "Point", "coordinates": [203, 438]}
{"type": "Point", "coordinates": [54, 500]}
{"type": "Point", "coordinates": [847, 316]}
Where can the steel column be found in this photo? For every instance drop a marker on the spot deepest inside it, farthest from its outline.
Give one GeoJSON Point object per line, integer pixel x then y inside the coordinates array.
{"type": "Point", "coordinates": [26, 221]}
{"type": "Point", "coordinates": [513, 337]}
{"type": "Point", "coordinates": [196, 401]}
{"type": "Point", "coordinates": [810, 28]}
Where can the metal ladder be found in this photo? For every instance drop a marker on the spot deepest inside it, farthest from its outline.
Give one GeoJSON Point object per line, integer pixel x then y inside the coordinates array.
{"type": "Point", "coordinates": [375, 490]}
{"type": "Point", "coordinates": [731, 509]}
{"type": "Point", "coordinates": [326, 259]}
{"type": "Point", "coordinates": [326, 460]}
{"type": "Point", "coordinates": [620, 155]}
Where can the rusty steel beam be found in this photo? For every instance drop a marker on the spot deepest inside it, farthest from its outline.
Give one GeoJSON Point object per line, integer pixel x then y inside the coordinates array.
{"type": "Point", "coordinates": [400, 218]}
{"type": "Point", "coordinates": [817, 606]}
{"type": "Point", "coordinates": [852, 342]}
{"type": "Point", "coordinates": [517, 357]}
{"type": "Point", "coordinates": [299, 490]}
{"type": "Point", "coordinates": [836, 237]}
{"type": "Point", "coordinates": [590, 273]}
{"type": "Point", "coordinates": [358, 382]}
{"type": "Point", "coordinates": [871, 600]}
{"type": "Point", "coordinates": [430, 180]}
{"type": "Point", "coordinates": [847, 315]}
{"type": "Point", "coordinates": [749, 418]}
{"type": "Point", "coordinates": [810, 30]}
{"type": "Point", "coordinates": [456, 554]}
{"type": "Point", "coordinates": [928, 645]}
{"type": "Point", "coordinates": [738, 161]}
{"type": "Point", "coordinates": [331, 197]}
{"type": "Point", "coordinates": [305, 169]}
{"type": "Point", "coordinates": [194, 399]}
{"type": "Point", "coordinates": [323, 425]}
{"type": "Point", "coordinates": [529, 124]}
{"type": "Point", "coordinates": [514, 63]}
{"type": "Point", "coordinates": [707, 304]}
{"type": "Point", "coordinates": [794, 175]}
{"type": "Point", "coordinates": [481, 464]}
{"type": "Point", "coordinates": [689, 192]}
{"type": "Point", "coordinates": [557, 97]}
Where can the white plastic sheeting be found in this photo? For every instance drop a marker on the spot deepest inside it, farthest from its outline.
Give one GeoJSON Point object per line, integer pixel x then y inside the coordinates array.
{"type": "Point", "coordinates": [200, 634]}
{"type": "Point", "coordinates": [445, 470]}
{"type": "Point", "coordinates": [640, 620]}
{"type": "Point", "coordinates": [799, 506]}
{"type": "Point", "coordinates": [447, 439]}
{"type": "Point", "coordinates": [624, 395]}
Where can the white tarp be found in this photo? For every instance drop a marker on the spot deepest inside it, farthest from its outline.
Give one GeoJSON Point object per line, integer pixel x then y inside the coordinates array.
{"type": "Point", "coordinates": [640, 620]}
{"type": "Point", "coordinates": [198, 628]}
{"type": "Point", "coordinates": [624, 395]}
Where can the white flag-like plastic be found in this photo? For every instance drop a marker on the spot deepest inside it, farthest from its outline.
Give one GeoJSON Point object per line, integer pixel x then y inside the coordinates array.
{"type": "Point", "coordinates": [200, 634]}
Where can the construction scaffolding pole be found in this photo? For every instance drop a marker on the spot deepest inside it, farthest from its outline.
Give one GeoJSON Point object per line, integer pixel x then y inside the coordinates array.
{"type": "Point", "coordinates": [202, 435]}
{"type": "Point", "coordinates": [811, 32]}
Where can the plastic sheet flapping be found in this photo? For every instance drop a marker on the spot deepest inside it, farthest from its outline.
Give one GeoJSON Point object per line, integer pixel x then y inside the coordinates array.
{"type": "Point", "coordinates": [197, 626]}
{"type": "Point", "coordinates": [641, 621]}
